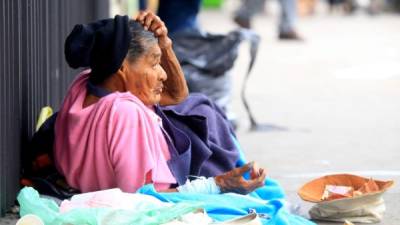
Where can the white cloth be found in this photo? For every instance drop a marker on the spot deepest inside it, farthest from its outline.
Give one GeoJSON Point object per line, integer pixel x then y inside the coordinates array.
{"type": "Point", "coordinates": [201, 185]}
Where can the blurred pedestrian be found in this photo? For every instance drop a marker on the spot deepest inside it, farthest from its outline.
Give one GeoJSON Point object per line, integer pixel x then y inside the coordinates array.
{"type": "Point", "coordinates": [287, 20]}
{"type": "Point", "coordinates": [178, 15]}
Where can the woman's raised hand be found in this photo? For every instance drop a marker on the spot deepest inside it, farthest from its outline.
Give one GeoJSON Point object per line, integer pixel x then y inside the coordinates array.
{"type": "Point", "coordinates": [153, 23]}
{"type": "Point", "coordinates": [233, 180]}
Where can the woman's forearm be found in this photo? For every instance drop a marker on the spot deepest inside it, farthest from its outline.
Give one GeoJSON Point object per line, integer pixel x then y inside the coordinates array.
{"type": "Point", "coordinates": [175, 87]}
{"type": "Point", "coordinates": [170, 190]}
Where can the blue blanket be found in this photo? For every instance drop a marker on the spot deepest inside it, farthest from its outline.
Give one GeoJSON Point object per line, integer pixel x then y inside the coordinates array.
{"type": "Point", "coordinates": [268, 201]}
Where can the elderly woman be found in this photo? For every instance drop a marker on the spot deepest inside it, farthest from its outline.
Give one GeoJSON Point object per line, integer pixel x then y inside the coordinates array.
{"type": "Point", "coordinates": [114, 129]}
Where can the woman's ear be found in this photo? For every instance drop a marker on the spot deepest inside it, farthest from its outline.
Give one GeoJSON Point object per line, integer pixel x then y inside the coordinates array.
{"type": "Point", "coordinates": [123, 71]}
{"type": "Point", "coordinates": [121, 76]}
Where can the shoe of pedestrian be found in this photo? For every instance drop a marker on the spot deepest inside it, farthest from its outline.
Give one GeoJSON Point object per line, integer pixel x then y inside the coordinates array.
{"type": "Point", "coordinates": [242, 22]}
{"type": "Point", "coordinates": [291, 35]}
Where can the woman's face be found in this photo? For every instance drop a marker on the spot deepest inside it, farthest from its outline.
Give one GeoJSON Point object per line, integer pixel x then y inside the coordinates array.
{"type": "Point", "coordinates": [146, 76]}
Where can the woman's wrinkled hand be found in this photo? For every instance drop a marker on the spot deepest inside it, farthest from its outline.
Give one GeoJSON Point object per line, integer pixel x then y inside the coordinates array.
{"type": "Point", "coordinates": [233, 180]}
{"type": "Point", "coordinates": [153, 23]}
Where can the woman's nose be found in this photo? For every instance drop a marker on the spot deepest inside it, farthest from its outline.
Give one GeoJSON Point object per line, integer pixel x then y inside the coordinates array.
{"type": "Point", "coordinates": [163, 75]}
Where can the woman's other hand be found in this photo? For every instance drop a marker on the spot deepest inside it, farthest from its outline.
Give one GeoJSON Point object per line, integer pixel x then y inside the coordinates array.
{"type": "Point", "coordinates": [153, 23]}
{"type": "Point", "coordinates": [233, 180]}
{"type": "Point", "coordinates": [175, 87]}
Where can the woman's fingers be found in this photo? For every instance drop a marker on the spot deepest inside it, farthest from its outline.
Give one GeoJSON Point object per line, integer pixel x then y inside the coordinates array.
{"type": "Point", "coordinates": [245, 168]}
{"type": "Point", "coordinates": [255, 171]}
{"type": "Point", "coordinates": [159, 28]}
{"type": "Point", "coordinates": [263, 175]}
{"type": "Point", "coordinates": [146, 18]}
{"type": "Point", "coordinates": [153, 23]}
{"type": "Point", "coordinates": [140, 17]}
{"type": "Point", "coordinates": [259, 181]}
{"type": "Point", "coordinates": [150, 17]}
{"type": "Point", "coordinates": [256, 181]}
{"type": "Point", "coordinates": [262, 170]}
{"type": "Point", "coordinates": [162, 31]}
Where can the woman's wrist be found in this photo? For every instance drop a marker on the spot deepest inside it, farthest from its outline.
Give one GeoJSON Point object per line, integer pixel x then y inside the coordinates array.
{"type": "Point", "coordinates": [219, 182]}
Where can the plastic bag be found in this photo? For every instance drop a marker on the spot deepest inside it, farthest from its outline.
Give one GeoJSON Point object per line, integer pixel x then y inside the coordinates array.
{"type": "Point", "coordinates": [45, 113]}
{"type": "Point", "coordinates": [31, 203]}
{"type": "Point", "coordinates": [207, 59]}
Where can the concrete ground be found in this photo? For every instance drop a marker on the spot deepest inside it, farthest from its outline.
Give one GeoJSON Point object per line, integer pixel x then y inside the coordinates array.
{"type": "Point", "coordinates": [336, 96]}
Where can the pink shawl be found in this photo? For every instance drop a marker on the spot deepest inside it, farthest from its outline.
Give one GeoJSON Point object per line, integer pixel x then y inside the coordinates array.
{"type": "Point", "coordinates": [116, 142]}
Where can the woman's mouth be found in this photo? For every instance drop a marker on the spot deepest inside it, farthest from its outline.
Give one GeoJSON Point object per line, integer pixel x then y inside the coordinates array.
{"type": "Point", "coordinates": [158, 90]}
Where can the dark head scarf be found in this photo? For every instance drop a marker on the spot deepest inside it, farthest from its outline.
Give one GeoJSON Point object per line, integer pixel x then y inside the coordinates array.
{"type": "Point", "coordinates": [101, 45]}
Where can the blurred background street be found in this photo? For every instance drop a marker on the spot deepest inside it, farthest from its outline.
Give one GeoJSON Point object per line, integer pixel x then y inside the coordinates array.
{"type": "Point", "coordinates": [335, 96]}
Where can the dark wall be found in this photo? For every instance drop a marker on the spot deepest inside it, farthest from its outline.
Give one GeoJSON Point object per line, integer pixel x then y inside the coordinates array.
{"type": "Point", "coordinates": [33, 72]}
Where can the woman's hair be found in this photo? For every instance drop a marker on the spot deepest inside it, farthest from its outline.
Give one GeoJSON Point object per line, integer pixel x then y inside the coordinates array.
{"type": "Point", "coordinates": [140, 42]}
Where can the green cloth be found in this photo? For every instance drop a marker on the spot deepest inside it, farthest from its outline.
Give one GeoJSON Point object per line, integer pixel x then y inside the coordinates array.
{"type": "Point", "coordinates": [31, 203]}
